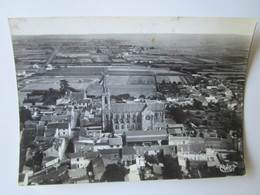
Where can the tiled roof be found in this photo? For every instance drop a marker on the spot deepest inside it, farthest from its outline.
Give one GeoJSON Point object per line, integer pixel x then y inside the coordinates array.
{"type": "Point", "coordinates": [109, 151]}
{"type": "Point", "coordinates": [57, 142]}
{"type": "Point", "coordinates": [49, 158]}
{"type": "Point", "coordinates": [140, 136]}
{"type": "Point", "coordinates": [126, 107]}
{"type": "Point", "coordinates": [192, 148]}
{"type": "Point", "coordinates": [115, 141]}
{"type": "Point", "coordinates": [128, 151]}
{"type": "Point", "coordinates": [98, 167]}
{"type": "Point", "coordinates": [58, 126]}
{"type": "Point", "coordinates": [175, 126]}
{"type": "Point", "coordinates": [77, 155]}
{"type": "Point", "coordinates": [155, 105]}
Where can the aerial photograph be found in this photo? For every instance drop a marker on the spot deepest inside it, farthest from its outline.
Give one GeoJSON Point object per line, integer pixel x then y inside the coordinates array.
{"type": "Point", "coordinates": [130, 107]}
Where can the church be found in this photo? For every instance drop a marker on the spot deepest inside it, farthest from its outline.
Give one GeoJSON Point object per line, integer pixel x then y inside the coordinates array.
{"type": "Point", "coordinates": [119, 118]}
{"type": "Point", "coordinates": [134, 116]}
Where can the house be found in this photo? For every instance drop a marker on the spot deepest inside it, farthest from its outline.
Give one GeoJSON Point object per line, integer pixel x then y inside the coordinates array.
{"type": "Point", "coordinates": [59, 129]}
{"type": "Point", "coordinates": [96, 169]}
{"type": "Point", "coordinates": [78, 160]}
{"type": "Point", "coordinates": [35, 66]}
{"type": "Point", "coordinates": [101, 144]}
{"type": "Point", "coordinates": [20, 73]}
{"type": "Point", "coordinates": [78, 175]}
{"type": "Point", "coordinates": [115, 142]}
{"type": "Point", "coordinates": [57, 149]}
{"type": "Point", "coordinates": [211, 99]}
{"type": "Point", "coordinates": [200, 101]}
{"type": "Point", "coordinates": [173, 140]}
{"type": "Point", "coordinates": [29, 133]}
{"type": "Point", "coordinates": [128, 155]}
{"type": "Point", "coordinates": [49, 67]}
{"type": "Point", "coordinates": [42, 140]}
{"type": "Point", "coordinates": [49, 161]}
{"type": "Point", "coordinates": [133, 174]}
{"type": "Point", "coordinates": [111, 154]}
{"type": "Point", "coordinates": [219, 143]}
{"type": "Point", "coordinates": [154, 137]}
{"type": "Point", "coordinates": [154, 150]}
{"type": "Point", "coordinates": [56, 175]}
{"type": "Point", "coordinates": [62, 101]}
{"type": "Point", "coordinates": [175, 129]}
{"type": "Point", "coordinates": [84, 145]}
{"type": "Point", "coordinates": [23, 179]}
{"type": "Point", "coordinates": [93, 132]}
{"type": "Point", "coordinates": [83, 103]}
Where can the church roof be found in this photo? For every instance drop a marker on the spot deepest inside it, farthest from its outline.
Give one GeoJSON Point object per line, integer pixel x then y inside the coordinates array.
{"type": "Point", "coordinates": [126, 107]}
{"type": "Point", "coordinates": [153, 105]}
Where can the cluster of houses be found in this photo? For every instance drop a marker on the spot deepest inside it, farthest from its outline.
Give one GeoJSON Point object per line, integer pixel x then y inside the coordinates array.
{"type": "Point", "coordinates": [80, 139]}
{"type": "Point", "coordinates": [76, 148]}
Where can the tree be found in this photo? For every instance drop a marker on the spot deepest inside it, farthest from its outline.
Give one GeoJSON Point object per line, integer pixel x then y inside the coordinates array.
{"type": "Point", "coordinates": [64, 85]}
{"type": "Point", "coordinates": [178, 114]}
{"type": "Point", "coordinates": [172, 169]}
{"type": "Point", "coordinates": [25, 114]}
{"type": "Point", "coordinates": [50, 96]}
{"type": "Point", "coordinates": [114, 172]}
{"type": "Point", "coordinates": [142, 96]}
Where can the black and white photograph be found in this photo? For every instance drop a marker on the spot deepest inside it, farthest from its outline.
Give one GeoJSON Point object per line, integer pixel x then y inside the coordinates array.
{"type": "Point", "coordinates": [114, 99]}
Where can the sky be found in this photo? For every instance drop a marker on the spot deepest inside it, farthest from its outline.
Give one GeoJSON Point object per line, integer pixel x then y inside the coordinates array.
{"type": "Point", "coordinates": [128, 25]}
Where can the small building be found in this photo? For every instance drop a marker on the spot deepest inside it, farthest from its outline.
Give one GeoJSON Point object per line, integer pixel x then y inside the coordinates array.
{"type": "Point", "coordinates": [83, 103]}
{"type": "Point", "coordinates": [128, 155]}
{"type": "Point", "coordinates": [49, 161]}
{"type": "Point", "coordinates": [49, 67]}
{"type": "Point", "coordinates": [60, 129]}
{"type": "Point", "coordinates": [63, 101]}
{"type": "Point", "coordinates": [78, 160]}
{"type": "Point", "coordinates": [111, 154]}
{"type": "Point", "coordinates": [57, 149]}
{"type": "Point", "coordinates": [219, 143]}
{"type": "Point", "coordinates": [78, 175]}
{"type": "Point", "coordinates": [175, 129]}
{"type": "Point", "coordinates": [133, 174]}
{"type": "Point", "coordinates": [96, 169]}
{"type": "Point", "coordinates": [115, 142]}
{"type": "Point", "coordinates": [84, 145]}
{"type": "Point", "coordinates": [148, 138]}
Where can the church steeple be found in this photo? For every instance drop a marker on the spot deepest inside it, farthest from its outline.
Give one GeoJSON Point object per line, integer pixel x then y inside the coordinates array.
{"type": "Point", "coordinates": [106, 104]}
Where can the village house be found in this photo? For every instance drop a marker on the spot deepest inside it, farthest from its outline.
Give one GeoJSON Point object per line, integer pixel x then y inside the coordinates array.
{"type": "Point", "coordinates": [128, 155]}
{"type": "Point", "coordinates": [57, 149]}
{"type": "Point", "coordinates": [84, 145]}
{"type": "Point", "coordinates": [219, 143]}
{"type": "Point", "coordinates": [154, 150]}
{"type": "Point", "coordinates": [78, 160]}
{"type": "Point", "coordinates": [49, 161]}
{"type": "Point", "coordinates": [148, 138]}
{"type": "Point", "coordinates": [60, 129]}
{"type": "Point", "coordinates": [111, 154]}
{"type": "Point", "coordinates": [96, 169]}
{"type": "Point", "coordinates": [175, 129]}
{"type": "Point", "coordinates": [115, 142]}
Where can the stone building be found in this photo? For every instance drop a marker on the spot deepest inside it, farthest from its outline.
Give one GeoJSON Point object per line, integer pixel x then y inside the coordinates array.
{"type": "Point", "coordinates": [132, 116]}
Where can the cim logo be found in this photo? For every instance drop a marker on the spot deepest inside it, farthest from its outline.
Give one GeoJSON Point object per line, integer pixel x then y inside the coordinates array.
{"type": "Point", "coordinates": [228, 168]}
